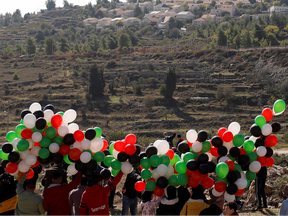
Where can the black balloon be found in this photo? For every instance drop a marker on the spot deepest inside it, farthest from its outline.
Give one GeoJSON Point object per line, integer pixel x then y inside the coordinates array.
{"type": "Point", "coordinates": [243, 160]}
{"type": "Point", "coordinates": [238, 174]}
{"type": "Point", "coordinates": [222, 151]}
{"type": "Point", "coordinates": [162, 182]}
{"type": "Point", "coordinates": [25, 112]}
{"type": "Point", "coordinates": [202, 136]}
{"type": "Point", "coordinates": [49, 106]}
{"type": "Point", "coordinates": [134, 159]}
{"type": "Point", "coordinates": [212, 166]}
{"type": "Point", "coordinates": [106, 174]}
{"type": "Point", "coordinates": [217, 141]}
{"type": "Point", "coordinates": [245, 167]}
{"type": "Point", "coordinates": [103, 165]}
{"type": "Point", "coordinates": [183, 147]}
{"type": "Point", "coordinates": [44, 161]}
{"type": "Point", "coordinates": [255, 130]}
{"type": "Point", "coordinates": [122, 156]}
{"type": "Point", "coordinates": [38, 114]}
{"type": "Point", "coordinates": [232, 189]}
{"type": "Point", "coordinates": [91, 165]}
{"type": "Point", "coordinates": [68, 139]}
{"type": "Point", "coordinates": [90, 134]}
{"type": "Point", "coordinates": [276, 127]}
{"type": "Point", "coordinates": [151, 150]}
{"type": "Point", "coordinates": [202, 158]}
{"type": "Point", "coordinates": [246, 137]}
{"type": "Point", "coordinates": [269, 152]}
{"type": "Point", "coordinates": [40, 123]}
{"type": "Point", "coordinates": [13, 157]}
{"type": "Point", "coordinates": [232, 176]}
{"type": "Point", "coordinates": [88, 173]}
{"type": "Point", "coordinates": [4, 163]}
{"type": "Point", "coordinates": [192, 165]}
{"type": "Point", "coordinates": [138, 149]}
{"type": "Point", "coordinates": [79, 166]}
{"type": "Point", "coordinates": [204, 169]}
{"type": "Point", "coordinates": [7, 148]}
{"type": "Point", "coordinates": [234, 152]}
{"type": "Point", "coordinates": [259, 142]}
{"type": "Point", "coordinates": [74, 161]}
{"type": "Point", "coordinates": [106, 152]}
{"type": "Point", "coordinates": [57, 158]}
{"type": "Point", "coordinates": [142, 155]}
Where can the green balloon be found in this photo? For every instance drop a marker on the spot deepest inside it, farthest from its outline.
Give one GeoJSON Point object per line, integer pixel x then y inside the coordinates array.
{"type": "Point", "coordinates": [3, 155]}
{"type": "Point", "coordinates": [18, 129]}
{"type": "Point", "coordinates": [250, 175]}
{"type": "Point", "coordinates": [21, 121]}
{"type": "Point", "coordinates": [66, 159]}
{"type": "Point", "coordinates": [231, 158]}
{"type": "Point", "coordinates": [44, 153]}
{"type": "Point", "coordinates": [238, 168]}
{"type": "Point", "coordinates": [146, 174]}
{"type": "Point", "coordinates": [173, 180]}
{"type": "Point", "coordinates": [108, 159]}
{"type": "Point", "coordinates": [145, 163]}
{"type": "Point", "coordinates": [111, 148]}
{"type": "Point", "coordinates": [165, 159]}
{"type": "Point", "coordinates": [182, 179]}
{"type": "Point", "coordinates": [23, 145]}
{"type": "Point", "coordinates": [49, 124]}
{"type": "Point", "coordinates": [181, 167]}
{"type": "Point", "coordinates": [260, 121]}
{"type": "Point", "coordinates": [248, 146]}
{"type": "Point", "coordinates": [60, 113]}
{"type": "Point", "coordinates": [58, 140]}
{"type": "Point", "coordinates": [252, 156]}
{"type": "Point", "coordinates": [45, 142]}
{"type": "Point", "coordinates": [154, 160]}
{"type": "Point", "coordinates": [115, 172]}
{"type": "Point", "coordinates": [222, 179]}
{"type": "Point", "coordinates": [10, 136]}
{"type": "Point", "coordinates": [222, 169]}
{"type": "Point", "coordinates": [99, 156]}
{"type": "Point", "coordinates": [175, 159]}
{"type": "Point", "coordinates": [279, 106]}
{"type": "Point", "coordinates": [150, 185]}
{"type": "Point", "coordinates": [34, 129]}
{"type": "Point", "coordinates": [98, 132]}
{"type": "Point", "coordinates": [50, 132]}
{"type": "Point", "coordinates": [195, 154]}
{"type": "Point", "coordinates": [206, 146]}
{"type": "Point", "coordinates": [188, 156]}
{"type": "Point", "coordinates": [238, 140]}
{"type": "Point", "coordinates": [248, 183]}
{"type": "Point", "coordinates": [116, 164]}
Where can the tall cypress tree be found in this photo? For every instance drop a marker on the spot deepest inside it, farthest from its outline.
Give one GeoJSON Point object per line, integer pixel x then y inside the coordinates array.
{"type": "Point", "coordinates": [97, 82]}
{"type": "Point", "coordinates": [170, 81]}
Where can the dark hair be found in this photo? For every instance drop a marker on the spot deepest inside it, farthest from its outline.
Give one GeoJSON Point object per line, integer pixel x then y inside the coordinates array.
{"type": "Point", "coordinates": [197, 193]}
{"type": "Point", "coordinates": [56, 175]}
{"type": "Point", "coordinates": [30, 183]}
{"type": "Point", "coordinates": [146, 196]}
{"type": "Point", "coordinates": [96, 179]}
{"type": "Point", "coordinates": [231, 205]}
{"type": "Point", "coordinates": [179, 136]}
{"type": "Point", "coordinates": [84, 181]}
{"type": "Point", "coordinates": [4, 177]}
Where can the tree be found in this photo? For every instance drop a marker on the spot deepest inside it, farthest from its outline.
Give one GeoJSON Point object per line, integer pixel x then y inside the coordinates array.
{"type": "Point", "coordinates": [119, 23]}
{"type": "Point", "coordinates": [7, 19]}
{"type": "Point", "coordinates": [259, 32]}
{"type": "Point", "coordinates": [148, 102]}
{"type": "Point", "coordinates": [30, 46]}
{"type": "Point", "coordinates": [168, 89]}
{"type": "Point", "coordinates": [85, 47]}
{"type": "Point", "coordinates": [20, 49]}
{"type": "Point", "coordinates": [272, 29]}
{"type": "Point", "coordinates": [64, 46]}
{"type": "Point", "coordinates": [99, 14]}
{"type": "Point", "coordinates": [124, 80]}
{"type": "Point", "coordinates": [112, 42]}
{"type": "Point", "coordinates": [96, 82]}
{"type": "Point", "coordinates": [133, 38]}
{"type": "Point", "coordinates": [76, 47]}
{"type": "Point", "coordinates": [272, 39]}
{"type": "Point", "coordinates": [245, 39]}
{"type": "Point", "coordinates": [17, 17]}
{"type": "Point", "coordinates": [39, 36]}
{"type": "Point", "coordinates": [146, 11]}
{"type": "Point", "coordinates": [158, 2]}
{"type": "Point", "coordinates": [237, 41]}
{"type": "Point", "coordinates": [94, 44]}
{"type": "Point", "coordinates": [124, 40]}
{"type": "Point", "coordinates": [67, 5]}
{"type": "Point", "coordinates": [224, 13]}
{"type": "Point", "coordinates": [137, 11]}
{"type": "Point", "coordinates": [50, 4]}
{"type": "Point", "coordinates": [50, 45]}
{"type": "Point", "coordinates": [103, 42]}
{"type": "Point", "coordinates": [221, 38]}
{"type": "Point", "coordinates": [9, 50]}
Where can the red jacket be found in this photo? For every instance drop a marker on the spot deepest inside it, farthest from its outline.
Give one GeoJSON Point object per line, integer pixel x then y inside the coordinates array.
{"type": "Point", "coordinates": [56, 198]}
{"type": "Point", "coordinates": [95, 199]}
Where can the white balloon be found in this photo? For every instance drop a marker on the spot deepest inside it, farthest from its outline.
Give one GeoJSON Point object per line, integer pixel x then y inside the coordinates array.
{"type": "Point", "coordinates": [96, 144]}
{"type": "Point", "coordinates": [261, 151]}
{"type": "Point", "coordinates": [30, 160]}
{"type": "Point", "coordinates": [223, 159]}
{"type": "Point", "coordinates": [241, 183]}
{"type": "Point", "coordinates": [253, 138]}
{"type": "Point", "coordinates": [126, 167]}
{"type": "Point", "coordinates": [162, 169]}
{"type": "Point", "coordinates": [155, 174]}
{"type": "Point", "coordinates": [197, 146]}
{"type": "Point", "coordinates": [63, 130]}
{"type": "Point", "coordinates": [73, 127]}
{"type": "Point", "coordinates": [54, 147]}
{"type": "Point", "coordinates": [85, 157]}
{"type": "Point", "coordinates": [29, 120]}
{"type": "Point", "coordinates": [48, 114]}
{"type": "Point", "coordinates": [24, 154]}
{"type": "Point", "coordinates": [255, 166]}
{"type": "Point", "coordinates": [78, 145]}
{"type": "Point", "coordinates": [216, 193]}
{"type": "Point", "coordinates": [156, 143]}
{"type": "Point", "coordinates": [85, 144]}
{"type": "Point", "coordinates": [115, 153]}
{"type": "Point", "coordinates": [229, 197]}
{"type": "Point", "coordinates": [15, 142]}
{"type": "Point", "coordinates": [36, 136]}
{"type": "Point", "coordinates": [31, 143]}
{"type": "Point", "coordinates": [234, 127]}
{"type": "Point", "coordinates": [170, 172]}
{"type": "Point", "coordinates": [209, 156]}
{"type": "Point", "coordinates": [69, 116]}
{"type": "Point", "coordinates": [34, 107]}
{"type": "Point", "coordinates": [266, 129]}
{"type": "Point", "coordinates": [71, 169]}
{"type": "Point", "coordinates": [35, 150]}
{"type": "Point", "coordinates": [228, 145]}
{"type": "Point", "coordinates": [163, 147]}
{"type": "Point", "coordinates": [15, 173]}
{"type": "Point", "coordinates": [23, 167]}
{"type": "Point", "coordinates": [192, 136]}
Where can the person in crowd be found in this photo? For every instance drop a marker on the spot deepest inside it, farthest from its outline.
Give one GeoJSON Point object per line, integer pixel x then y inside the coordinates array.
{"type": "Point", "coordinates": [130, 195]}
{"type": "Point", "coordinates": [47, 180]}
{"type": "Point", "coordinates": [260, 188]}
{"type": "Point", "coordinates": [29, 203]}
{"type": "Point", "coordinates": [196, 204]}
{"type": "Point", "coordinates": [183, 195]}
{"type": "Point", "coordinates": [169, 139]}
{"type": "Point", "coordinates": [284, 208]}
{"type": "Point", "coordinates": [56, 196]}
{"type": "Point", "coordinates": [95, 199]}
{"type": "Point", "coordinates": [111, 196]}
{"type": "Point", "coordinates": [239, 203]}
{"type": "Point", "coordinates": [180, 139]}
{"type": "Point", "coordinates": [214, 209]}
{"type": "Point", "coordinates": [229, 208]}
{"type": "Point", "coordinates": [149, 203]}
{"type": "Point", "coordinates": [76, 195]}
{"type": "Point", "coordinates": [169, 204]}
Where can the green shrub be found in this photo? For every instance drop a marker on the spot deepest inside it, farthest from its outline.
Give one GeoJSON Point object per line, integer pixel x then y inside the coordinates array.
{"type": "Point", "coordinates": [115, 135]}
{"type": "Point", "coordinates": [138, 90]}
{"type": "Point", "coordinates": [111, 64]}
{"type": "Point", "coordinates": [149, 102]}
{"type": "Point", "coordinates": [151, 67]}
{"type": "Point", "coordinates": [144, 140]}
{"type": "Point", "coordinates": [129, 91]}
{"type": "Point", "coordinates": [16, 76]}
{"type": "Point", "coordinates": [45, 97]}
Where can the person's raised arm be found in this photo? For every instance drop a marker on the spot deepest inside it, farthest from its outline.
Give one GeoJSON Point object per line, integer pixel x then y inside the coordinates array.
{"type": "Point", "coordinates": [111, 185]}
{"type": "Point", "coordinates": [21, 178]}
{"type": "Point", "coordinates": [73, 184]}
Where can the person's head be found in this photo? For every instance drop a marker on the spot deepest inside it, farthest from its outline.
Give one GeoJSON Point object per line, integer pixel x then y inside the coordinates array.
{"type": "Point", "coordinates": [56, 177]}
{"type": "Point", "coordinates": [84, 181]}
{"type": "Point", "coordinates": [197, 193]}
{"type": "Point", "coordinates": [171, 192]}
{"type": "Point", "coordinates": [165, 134]}
{"type": "Point", "coordinates": [146, 196]}
{"type": "Point", "coordinates": [30, 185]}
{"type": "Point", "coordinates": [229, 208]}
{"type": "Point", "coordinates": [219, 202]}
{"type": "Point", "coordinates": [179, 136]}
{"type": "Point", "coordinates": [97, 179]}
{"type": "Point", "coordinates": [4, 178]}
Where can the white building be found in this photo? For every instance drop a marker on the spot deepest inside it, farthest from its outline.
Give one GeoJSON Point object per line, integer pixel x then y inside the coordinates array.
{"type": "Point", "coordinates": [113, 21]}
{"type": "Point", "coordinates": [278, 9]}
{"type": "Point", "coordinates": [90, 21]}
{"type": "Point", "coordinates": [186, 15]}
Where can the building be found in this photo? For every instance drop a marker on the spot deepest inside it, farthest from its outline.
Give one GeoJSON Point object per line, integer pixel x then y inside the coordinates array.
{"type": "Point", "coordinates": [148, 5]}
{"type": "Point", "coordinates": [161, 7]}
{"type": "Point", "coordinates": [165, 23]}
{"type": "Point", "coordinates": [177, 8]}
{"type": "Point", "coordinates": [149, 21]}
{"type": "Point", "coordinates": [128, 13]}
{"type": "Point", "coordinates": [209, 17]}
{"type": "Point", "coordinates": [125, 5]}
{"type": "Point", "coordinates": [113, 21]}
{"type": "Point", "coordinates": [216, 12]}
{"type": "Point", "coordinates": [152, 14]}
{"type": "Point", "coordinates": [243, 1]}
{"type": "Point", "coordinates": [131, 20]}
{"type": "Point", "coordinates": [230, 8]}
{"type": "Point", "coordinates": [193, 6]}
{"type": "Point", "coordinates": [185, 15]}
{"type": "Point", "coordinates": [117, 12]}
{"type": "Point", "coordinates": [278, 9]}
{"type": "Point", "coordinates": [90, 21]}
{"type": "Point", "coordinates": [199, 21]}
{"type": "Point", "coordinates": [103, 22]}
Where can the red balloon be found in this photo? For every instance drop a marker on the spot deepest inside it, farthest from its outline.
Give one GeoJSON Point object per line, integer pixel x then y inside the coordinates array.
{"type": "Point", "coordinates": [196, 176]}
{"type": "Point", "coordinates": [214, 152]}
{"type": "Point", "coordinates": [207, 182]}
{"type": "Point", "coordinates": [220, 186]}
{"type": "Point", "coordinates": [31, 174]}
{"type": "Point", "coordinates": [205, 176]}
{"type": "Point", "coordinates": [263, 160]}
{"type": "Point", "coordinates": [74, 154]}
{"type": "Point", "coordinates": [230, 164]}
{"type": "Point", "coordinates": [188, 172]}
{"type": "Point", "coordinates": [36, 144]}
{"type": "Point", "coordinates": [158, 191]}
{"type": "Point", "coordinates": [271, 141]}
{"type": "Point", "coordinates": [175, 169]}
{"type": "Point", "coordinates": [270, 162]}
{"type": "Point", "coordinates": [193, 183]}
{"type": "Point", "coordinates": [105, 145]}
{"type": "Point", "coordinates": [119, 146]}
{"type": "Point", "coordinates": [227, 136]}
{"type": "Point", "coordinates": [64, 149]}
{"type": "Point", "coordinates": [267, 113]}
{"type": "Point", "coordinates": [240, 192]}
{"type": "Point", "coordinates": [130, 149]}
{"type": "Point", "coordinates": [11, 167]}
{"type": "Point", "coordinates": [242, 151]}
{"type": "Point", "coordinates": [56, 120]}
{"type": "Point", "coordinates": [221, 131]}
{"type": "Point", "coordinates": [140, 186]}
{"type": "Point", "coordinates": [36, 164]}
{"type": "Point", "coordinates": [26, 133]}
{"type": "Point", "coordinates": [131, 139]}
{"type": "Point", "coordinates": [170, 153]}
{"type": "Point", "coordinates": [78, 135]}
{"type": "Point", "coordinates": [190, 144]}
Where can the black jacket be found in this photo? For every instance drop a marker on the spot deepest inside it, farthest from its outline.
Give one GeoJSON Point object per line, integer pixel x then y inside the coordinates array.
{"type": "Point", "coordinates": [168, 208]}
{"type": "Point", "coordinates": [211, 210]}
{"type": "Point", "coordinates": [169, 139]}
{"type": "Point", "coordinates": [262, 171]}
{"type": "Point", "coordinates": [7, 190]}
{"type": "Point", "coordinates": [129, 189]}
